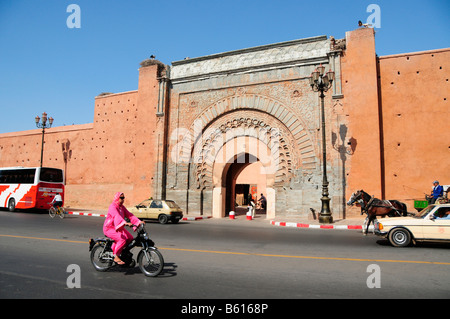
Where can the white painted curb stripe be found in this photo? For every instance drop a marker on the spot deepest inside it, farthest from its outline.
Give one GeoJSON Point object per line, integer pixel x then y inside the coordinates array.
{"type": "Point", "coordinates": [300, 225]}
{"type": "Point", "coordinates": [86, 214]}
{"type": "Point", "coordinates": [196, 218]}
{"type": "Point", "coordinates": [103, 215]}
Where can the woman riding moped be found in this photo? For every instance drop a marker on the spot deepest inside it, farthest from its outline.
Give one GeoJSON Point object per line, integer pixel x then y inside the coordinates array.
{"type": "Point", "coordinates": [113, 226]}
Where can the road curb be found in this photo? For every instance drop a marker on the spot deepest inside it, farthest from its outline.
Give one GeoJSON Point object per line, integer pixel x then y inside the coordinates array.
{"type": "Point", "coordinates": [86, 214]}
{"type": "Point", "coordinates": [196, 218]}
{"type": "Point", "coordinates": [104, 215]}
{"type": "Point", "coordinates": [302, 225]}
{"type": "Point", "coordinates": [272, 222]}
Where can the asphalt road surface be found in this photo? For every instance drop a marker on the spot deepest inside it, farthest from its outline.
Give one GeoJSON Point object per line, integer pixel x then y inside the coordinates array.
{"type": "Point", "coordinates": [217, 259]}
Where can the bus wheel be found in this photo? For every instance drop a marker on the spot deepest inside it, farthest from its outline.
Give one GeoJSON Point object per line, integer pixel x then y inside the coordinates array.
{"type": "Point", "coordinates": [12, 205]}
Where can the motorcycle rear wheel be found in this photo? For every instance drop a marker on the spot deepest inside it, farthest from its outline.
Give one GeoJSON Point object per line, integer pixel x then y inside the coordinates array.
{"type": "Point", "coordinates": [98, 258]}
{"type": "Point", "coordinates": [151, 262]}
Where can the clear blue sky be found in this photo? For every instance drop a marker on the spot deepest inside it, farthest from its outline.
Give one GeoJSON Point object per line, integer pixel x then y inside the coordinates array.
{"type": "Point", "coordinates": [46, 66]}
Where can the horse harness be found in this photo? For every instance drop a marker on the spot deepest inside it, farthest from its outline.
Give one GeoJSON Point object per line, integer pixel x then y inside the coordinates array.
{"type": "Point", "coordinates": [370, 203]}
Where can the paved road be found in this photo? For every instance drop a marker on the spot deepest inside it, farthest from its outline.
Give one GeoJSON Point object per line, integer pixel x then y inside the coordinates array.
{"type": "Point", "coordinates": [222, 259]}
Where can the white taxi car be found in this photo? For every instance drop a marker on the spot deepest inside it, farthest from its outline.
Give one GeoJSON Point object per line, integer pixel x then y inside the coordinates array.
{"type": "Point", "coordinates": [431, 224]}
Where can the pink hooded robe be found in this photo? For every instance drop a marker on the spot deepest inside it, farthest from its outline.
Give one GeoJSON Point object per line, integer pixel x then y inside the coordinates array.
{"type": "Point", "coordinates": [114, 225]}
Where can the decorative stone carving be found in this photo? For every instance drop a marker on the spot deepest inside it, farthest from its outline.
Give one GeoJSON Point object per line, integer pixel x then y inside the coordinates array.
{"type": "Point", "coordinates": [249, 124]}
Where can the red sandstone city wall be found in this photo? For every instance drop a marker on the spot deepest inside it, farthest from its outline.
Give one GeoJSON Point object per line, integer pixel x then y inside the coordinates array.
{"type": "Point", "coordinates": [416, 113]}
{"type": "Point", "coordinates": [115, 153]}
{"type": "Point", "coordinates": [359, 86]}
{"type": "Point", "coordinates": [123, 146]}
{"type": "Point", "coordinates": [405, 99]}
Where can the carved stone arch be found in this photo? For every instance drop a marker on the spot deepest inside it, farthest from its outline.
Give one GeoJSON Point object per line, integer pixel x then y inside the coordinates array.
{"type": "Point", "coordinates": [280, 144]}
{"type": "Point", "coordinates": [265, 121]}
{"type": "Point", "coordinates": [301, 141]}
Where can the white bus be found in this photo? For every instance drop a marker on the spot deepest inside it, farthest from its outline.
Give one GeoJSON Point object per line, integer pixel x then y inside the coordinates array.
{"type": "Point", "coordinates": [30, 187]}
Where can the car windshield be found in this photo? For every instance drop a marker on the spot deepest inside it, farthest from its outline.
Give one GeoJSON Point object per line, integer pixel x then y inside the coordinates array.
{"type": "Point", "coordinates": [145, 203]}
{"type": "Point", "coordinates": [172, 204]}
{"type": "Point", "coordinates": [425, 211]}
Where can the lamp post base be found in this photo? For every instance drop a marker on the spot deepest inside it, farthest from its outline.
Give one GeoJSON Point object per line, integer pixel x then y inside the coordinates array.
{"type": "Point", "coordinates": [325, 213]}
{"type": "Point", "coordinates": [325, 219]}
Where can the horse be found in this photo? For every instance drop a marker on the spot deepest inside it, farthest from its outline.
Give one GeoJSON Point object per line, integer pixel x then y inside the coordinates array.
{"type": "Point", "coordinates": [374, 207]}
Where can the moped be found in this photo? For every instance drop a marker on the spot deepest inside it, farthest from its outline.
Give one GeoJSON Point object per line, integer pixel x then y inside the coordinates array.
{"type": "Point", "coordinates": [150, 260]}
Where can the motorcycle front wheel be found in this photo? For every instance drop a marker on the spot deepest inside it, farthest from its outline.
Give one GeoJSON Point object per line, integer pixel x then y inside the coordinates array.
{"type": "Point", "coordinates": [151, 262]}
{"type": "Point", "coordinates": [100, 259]}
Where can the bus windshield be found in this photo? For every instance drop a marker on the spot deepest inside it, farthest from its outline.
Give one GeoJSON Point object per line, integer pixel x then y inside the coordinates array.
{"type": "Point", "coordinates": [52, 175]}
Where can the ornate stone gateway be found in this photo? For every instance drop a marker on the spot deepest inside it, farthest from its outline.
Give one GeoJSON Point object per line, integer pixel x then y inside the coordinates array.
{"type": "Point", "coordinates": [237, 108]}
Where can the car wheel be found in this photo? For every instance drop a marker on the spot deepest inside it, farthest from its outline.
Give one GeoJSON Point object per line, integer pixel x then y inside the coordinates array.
{"type": "Point", "coordinates": [163, 219]}
{"type": "Point", "coordinates": [400, 237]}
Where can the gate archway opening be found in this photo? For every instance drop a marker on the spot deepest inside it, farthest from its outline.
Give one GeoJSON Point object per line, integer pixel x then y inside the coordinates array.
{"type": "Point", "coordinates": [232, 159]}
{"type": "Point", "coordinates": [244, 184]}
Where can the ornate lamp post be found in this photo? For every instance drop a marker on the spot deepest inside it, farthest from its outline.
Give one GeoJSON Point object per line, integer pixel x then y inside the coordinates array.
{"type": "Point", "coordinates": [321, 82]}
{"type": "Point", "coordinates": [42, 123]}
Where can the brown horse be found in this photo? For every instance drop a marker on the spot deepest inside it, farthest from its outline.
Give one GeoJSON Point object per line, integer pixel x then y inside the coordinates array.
{"type": "Point", "coordinates": [374, 207]}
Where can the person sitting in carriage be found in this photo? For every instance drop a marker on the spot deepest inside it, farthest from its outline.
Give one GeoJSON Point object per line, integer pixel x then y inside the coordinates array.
{"type": "Point", "coordinates": [438, 191]}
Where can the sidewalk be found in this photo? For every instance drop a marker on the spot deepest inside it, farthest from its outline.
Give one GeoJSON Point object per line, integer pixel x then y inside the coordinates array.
{"type": "Point", "coordinates": [291, 222]}
{"type": "Point", "coordinates": [304, 222]}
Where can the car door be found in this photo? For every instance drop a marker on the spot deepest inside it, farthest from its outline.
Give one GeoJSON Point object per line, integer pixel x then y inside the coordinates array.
{"type": "Point", "coordinates": [435, 227]}
{"type": "Point", "coordinates": [155, 208]}
{"type": "Point", "coordinates": [143, 209]}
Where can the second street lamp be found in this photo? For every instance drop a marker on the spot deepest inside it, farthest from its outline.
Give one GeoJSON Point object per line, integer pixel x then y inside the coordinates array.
{"type": "Point", "coordinates": [321, 82]}
{"type": "Point", "coordinates": [42, 123]}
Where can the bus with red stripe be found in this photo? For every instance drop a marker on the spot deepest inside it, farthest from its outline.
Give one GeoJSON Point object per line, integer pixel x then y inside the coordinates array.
{"type": "Point", "coordinates": [30, 187]}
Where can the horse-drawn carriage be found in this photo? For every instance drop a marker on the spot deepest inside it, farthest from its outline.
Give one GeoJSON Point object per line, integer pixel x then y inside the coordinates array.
{"type": "Point", "coordinates": [420, 204]}
{"type": "Point", "coordinates": [374, 207]}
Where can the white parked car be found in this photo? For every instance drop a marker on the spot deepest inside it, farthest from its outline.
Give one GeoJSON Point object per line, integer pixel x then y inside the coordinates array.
{"type": "Point", "coordinates": [431, 224]}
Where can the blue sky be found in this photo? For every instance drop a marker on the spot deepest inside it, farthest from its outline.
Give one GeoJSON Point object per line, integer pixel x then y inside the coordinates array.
{"type": "Point", "coordinates": [46, 66]}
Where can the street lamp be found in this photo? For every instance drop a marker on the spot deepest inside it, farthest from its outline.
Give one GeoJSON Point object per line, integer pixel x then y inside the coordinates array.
{"type": "Point", "coordinates": [42, 123]}
{"type": "Point", "coordinates": [321, 82]}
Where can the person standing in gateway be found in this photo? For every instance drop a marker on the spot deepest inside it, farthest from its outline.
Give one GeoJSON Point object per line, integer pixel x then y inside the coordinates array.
{"type": "Point", "coordinates": [263, 201]}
